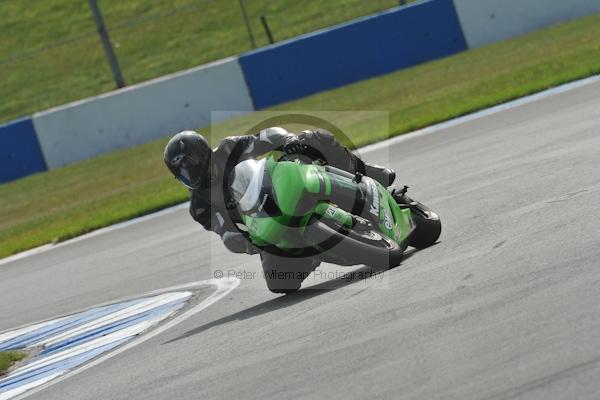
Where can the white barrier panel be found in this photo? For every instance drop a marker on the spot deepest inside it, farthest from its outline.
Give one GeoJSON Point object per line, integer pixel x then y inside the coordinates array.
{"type": "Point", "coordinates": [141, 113]}
{"type": "Point", "coordinates": [489, 21]}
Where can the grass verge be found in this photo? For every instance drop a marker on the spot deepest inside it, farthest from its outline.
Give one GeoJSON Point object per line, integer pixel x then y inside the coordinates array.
{"type": "Point", "coordinates": [7, 359]}
{"type": "Point", "coordinates": [51, 53]}
{"type": "Point", "coordinates": [69, 201]}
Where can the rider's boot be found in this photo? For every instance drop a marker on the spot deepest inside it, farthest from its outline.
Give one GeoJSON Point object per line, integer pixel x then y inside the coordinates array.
{"type": "Point", "coordinates": [383, 175]}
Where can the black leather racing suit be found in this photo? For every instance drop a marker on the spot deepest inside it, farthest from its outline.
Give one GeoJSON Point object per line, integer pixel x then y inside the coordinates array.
{"type": "Point", "coordinates": [208, 206]}
{"type": "Point", "coordinates": [213, 208]}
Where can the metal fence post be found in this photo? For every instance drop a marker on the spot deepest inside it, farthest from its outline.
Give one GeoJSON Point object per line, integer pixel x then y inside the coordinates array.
{"type": "Point", "coordinates": [263, 19]}
{"type": "Point", "coordinates": [248, 28]}
{"type": "Point", "coordinates": [110, 53]}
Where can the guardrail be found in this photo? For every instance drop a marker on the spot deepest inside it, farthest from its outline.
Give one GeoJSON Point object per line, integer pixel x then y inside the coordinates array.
{"type": "Point", "coordinates": [488, 21]}
{"type": "Point", "coordinates": [141, 113]}
{"type": "Point", "coordinates": [20, 152]}
{"type": "Point", "coordinates": [360, 49]}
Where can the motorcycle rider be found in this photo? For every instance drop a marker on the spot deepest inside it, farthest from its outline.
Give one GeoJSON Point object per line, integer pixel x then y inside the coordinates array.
{"type": "Point", "coordinates": [205, 172]}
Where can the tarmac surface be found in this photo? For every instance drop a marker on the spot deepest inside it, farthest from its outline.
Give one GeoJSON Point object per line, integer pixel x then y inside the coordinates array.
{"type": "Point", "coordinates": [505, 306]}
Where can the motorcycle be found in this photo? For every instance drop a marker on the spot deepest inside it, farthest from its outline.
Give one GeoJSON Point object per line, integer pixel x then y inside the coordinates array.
{"type": "Point", "coordinates": [310, 210]}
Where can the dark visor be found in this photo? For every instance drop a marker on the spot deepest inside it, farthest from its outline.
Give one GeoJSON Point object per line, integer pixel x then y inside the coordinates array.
{"type": "Point", "coordinates": [188, 178]}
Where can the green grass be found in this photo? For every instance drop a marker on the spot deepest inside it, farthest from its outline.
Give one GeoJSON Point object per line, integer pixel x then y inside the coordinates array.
{"type": "Point", "coordinates": [69, 201]}
{"type": "Point", "coordinates": [51, 53]}
{"type": "Point", "coordinates": [7, 359]}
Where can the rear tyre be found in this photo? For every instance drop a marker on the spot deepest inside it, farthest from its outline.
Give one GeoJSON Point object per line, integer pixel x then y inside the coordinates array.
{"type": "Point", "coordinates": [353, 247]}
{"type": "Point", "coordinates": [428, 226]}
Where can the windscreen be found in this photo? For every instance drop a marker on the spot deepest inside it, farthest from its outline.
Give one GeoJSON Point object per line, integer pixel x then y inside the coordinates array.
{"type": "Point", "coordinates": [246, 183]}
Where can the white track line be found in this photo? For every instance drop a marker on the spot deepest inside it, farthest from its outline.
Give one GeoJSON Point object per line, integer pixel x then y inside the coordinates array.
{"type": "Point", "coordinates": [136, 309]}
{"type": "Point", "coordinates": [91, 345]}
{"type": "Point", "coordinates": [9, 335]}
{"type": "Point", "coordinates": [363, 150]}
{"type": "Point", "coordinates": [224, 287]}
{"type": "Point", "coordinates": [23, 389]}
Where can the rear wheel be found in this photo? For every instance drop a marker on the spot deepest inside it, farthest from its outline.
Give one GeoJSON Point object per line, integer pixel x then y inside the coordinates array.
{"type": "Point", "coordinates": [362, 245]}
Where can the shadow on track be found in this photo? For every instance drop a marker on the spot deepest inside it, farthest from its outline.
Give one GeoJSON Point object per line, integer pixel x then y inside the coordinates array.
{"type": "Point", "coordinates": [288, 300]}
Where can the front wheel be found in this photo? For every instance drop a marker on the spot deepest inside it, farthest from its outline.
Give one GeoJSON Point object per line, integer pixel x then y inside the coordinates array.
{"type": "Point", "coordinates": [354, 246]}
{"type": "Point", "coordinates": [428, 226]}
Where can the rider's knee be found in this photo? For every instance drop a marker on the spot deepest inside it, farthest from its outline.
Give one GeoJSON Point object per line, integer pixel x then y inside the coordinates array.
{"type": "Point", "coordinates": [236, 243]}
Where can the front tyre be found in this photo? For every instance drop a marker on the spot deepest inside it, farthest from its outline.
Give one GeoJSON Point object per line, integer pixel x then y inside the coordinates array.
{"type": "Point", "coordinates": [428, 226]}
{"type": "Point", "coordinates": [354, 246]}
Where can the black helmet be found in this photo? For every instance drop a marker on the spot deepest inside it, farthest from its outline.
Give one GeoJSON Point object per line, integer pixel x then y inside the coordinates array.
{"type": "Point", "coordinates": [187, 155]}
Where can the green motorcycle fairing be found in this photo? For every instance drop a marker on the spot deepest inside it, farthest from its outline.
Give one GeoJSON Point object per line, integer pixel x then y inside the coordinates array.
{"type": "Point", "coordinates": [277, 199]}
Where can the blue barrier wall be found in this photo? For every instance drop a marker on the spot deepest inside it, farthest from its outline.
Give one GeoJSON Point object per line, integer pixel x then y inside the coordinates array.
{"type": "Point", "coordinates": [20, 152]}
{"type": "Point", "coordinates": [357, 50]}
{"type": "Point", "coordinates": [140, 113]}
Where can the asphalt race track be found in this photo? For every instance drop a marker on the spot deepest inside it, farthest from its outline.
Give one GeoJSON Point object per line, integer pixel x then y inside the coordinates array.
{"type": "Point", "coordinates": [505, 306]}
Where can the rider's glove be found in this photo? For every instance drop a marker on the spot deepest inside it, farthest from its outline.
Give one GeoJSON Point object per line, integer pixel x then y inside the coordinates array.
{"type": "Point", "coordinates": [293, 145]}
